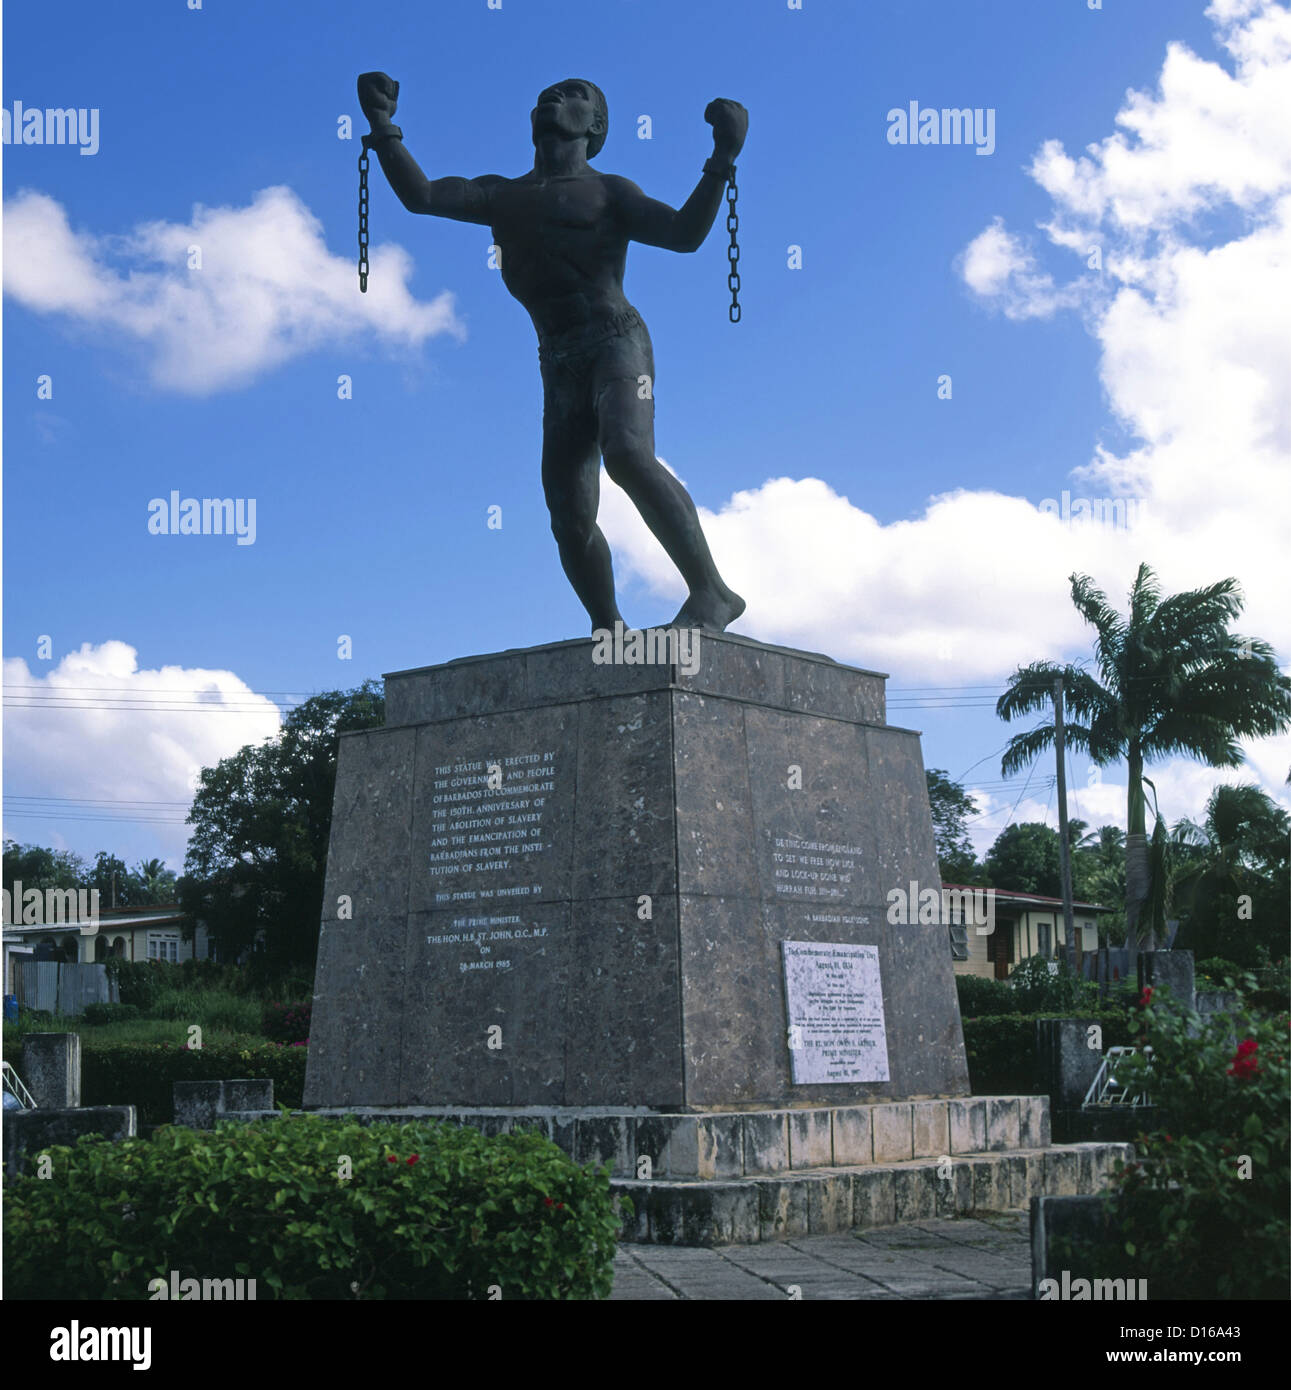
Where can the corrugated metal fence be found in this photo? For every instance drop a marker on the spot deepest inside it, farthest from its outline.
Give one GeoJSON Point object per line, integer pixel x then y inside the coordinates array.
{"type": "Point", "coordinates": [62, 987]}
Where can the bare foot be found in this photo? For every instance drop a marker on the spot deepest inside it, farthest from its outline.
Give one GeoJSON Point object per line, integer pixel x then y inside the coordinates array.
{"type": "Point", "coordinates": [712, 610]}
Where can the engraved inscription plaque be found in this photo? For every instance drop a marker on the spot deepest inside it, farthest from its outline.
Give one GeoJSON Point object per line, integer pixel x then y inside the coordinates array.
{"type": "Point", "coordinates": [834, 999]}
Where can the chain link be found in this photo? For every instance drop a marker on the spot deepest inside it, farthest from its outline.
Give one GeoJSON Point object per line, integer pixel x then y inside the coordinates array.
{"type": "Point", "coordinates": [733, 253]}
{"type": "Point", "coordinates": [363, 220]}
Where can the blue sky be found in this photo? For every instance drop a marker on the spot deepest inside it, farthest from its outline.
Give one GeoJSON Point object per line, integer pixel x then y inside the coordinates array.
{"type": "Point", "coordinates": [917, 261]}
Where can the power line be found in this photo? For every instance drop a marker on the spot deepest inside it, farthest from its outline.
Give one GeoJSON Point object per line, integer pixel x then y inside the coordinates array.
{"type": "Point", "coordinates": [95, 801]}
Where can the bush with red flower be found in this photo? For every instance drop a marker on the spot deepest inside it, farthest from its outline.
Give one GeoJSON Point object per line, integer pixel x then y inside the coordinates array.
{"type": "Point", "coordinates": [287, 1023]}
{"type": "Point", "coordinates": [1203, 1212]}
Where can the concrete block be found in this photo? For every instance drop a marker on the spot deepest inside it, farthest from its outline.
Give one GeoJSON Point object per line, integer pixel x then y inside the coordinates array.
{"type": "Point", "coordinates": [29, 1133]}
{"type": "Point", "coordinates": [782, 1208]}
{"type": "Point", "coordinates": [967, 1125]}
{"type": "Point", "coordinates": [198, 1104]}
{"type": "Point", "coordinates": [829, 1203]}
{"type": "Point", "coordinates": [248, 1093]}
{"type": "Point", "coordinates": [873, 1197]}
{"type": "Point", "coordinates": [765, 1140]}
{"type": "Point", "coordinates": [853, 1135]}
{"type": "Point", "coordinates": [931, 1128]}
{"type": "Point", "coordinates": [914, 1193]}
{"type": "Point", "coordinates": [1003, 1123]}
{"type": "Point", "coordinates": [51, 1069]}
{"type": "Point", "coordinates": [893, 1133]}
{"type": "Point", "coordinates": [811, 1141]}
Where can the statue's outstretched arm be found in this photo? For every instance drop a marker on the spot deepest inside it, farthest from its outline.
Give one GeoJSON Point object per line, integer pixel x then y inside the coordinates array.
{"type": "Point", "coordinates": [464, 200]}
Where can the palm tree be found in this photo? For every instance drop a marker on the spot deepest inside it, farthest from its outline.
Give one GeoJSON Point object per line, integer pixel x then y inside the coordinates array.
{"type": "Point", "coordinates": [1236, 852]}
{"type": "Point", "coordinates": [1172, 679]}
{"type": "Point", "coordinates": [1080, 836]}
{"type": "Point", "coordinates": [1110, 845]}
{"type": "Point", "coordinates": [154, 878]}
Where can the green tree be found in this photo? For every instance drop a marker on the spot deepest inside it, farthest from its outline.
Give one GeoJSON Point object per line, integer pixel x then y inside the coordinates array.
{"type": "Point", "coordinates": [117, 886]}
{"type": "Point", "coordinates": [34, 866]}
{"type": "Point", "coordinates": [1098, 876]}
{"type": "Point", "coordinates": [951, 807]}
{"type": "Point", "coordinates": [261, 818]}
{"type": "Point", "coordinates": [1025, 859]}
{"type": "Point", "coordinates": [156, 882]}
{"type": "Point", "coordinates": [1172, 679]}
{"type": "Point", "coordinates": [1232, 876]}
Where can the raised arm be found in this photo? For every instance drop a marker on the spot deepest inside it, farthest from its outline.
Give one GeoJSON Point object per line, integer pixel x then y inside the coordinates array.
{"type": "Point", "coordinates": [464, 200]}
{"type": "Point", "coordinates": [683, 229]}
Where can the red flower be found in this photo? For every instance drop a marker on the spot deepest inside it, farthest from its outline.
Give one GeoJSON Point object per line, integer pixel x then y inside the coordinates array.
{"type": "Point", "coordinates": [547, 1202]}
{"type": "Point", "coordinates": [392, 1159]}
{"type": "Point", "coordinates": [1245, 1063]}
{"type": "Point", "coordinates": [412, 1158]}
{"type": "Point", "coordinates": [560, 1206]}
{"type": "Point", "coordinates": [1145, 998]}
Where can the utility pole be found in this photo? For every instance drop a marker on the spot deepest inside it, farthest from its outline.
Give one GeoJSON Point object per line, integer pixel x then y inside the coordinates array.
{"type": "Point", "coordinates": [1064, 844]}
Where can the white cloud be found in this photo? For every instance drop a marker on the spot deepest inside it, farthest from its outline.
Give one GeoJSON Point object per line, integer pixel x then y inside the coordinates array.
{"type": "Point", "coordinates": [96, 728]}
{"type": "Point", "coordinates": [996, 265]}
{"type": "Point", "coordinates": [268, 288]}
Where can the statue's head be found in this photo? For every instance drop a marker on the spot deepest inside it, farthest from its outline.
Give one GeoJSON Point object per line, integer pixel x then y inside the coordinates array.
{"type": "Point", "coordinates": [572, 108]}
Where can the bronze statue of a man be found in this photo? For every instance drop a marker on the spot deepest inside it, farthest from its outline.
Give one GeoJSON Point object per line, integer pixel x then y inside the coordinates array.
{"type": "Point", "coordinates": [563, 230]}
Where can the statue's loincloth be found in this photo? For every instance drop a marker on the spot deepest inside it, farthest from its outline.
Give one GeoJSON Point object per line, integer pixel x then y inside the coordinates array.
{"type": "Point", "coordinates": [578, 366]}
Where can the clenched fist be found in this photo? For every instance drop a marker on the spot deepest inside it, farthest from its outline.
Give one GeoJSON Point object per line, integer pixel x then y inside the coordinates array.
{"type": "Point", "coordinates": [730, 122]}
{"type": "Point", "coordinates": [378, 96]}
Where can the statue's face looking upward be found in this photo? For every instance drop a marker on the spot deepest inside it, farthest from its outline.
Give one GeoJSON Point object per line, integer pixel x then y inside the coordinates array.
{"type": "Point", "coordinates": [570, 109]}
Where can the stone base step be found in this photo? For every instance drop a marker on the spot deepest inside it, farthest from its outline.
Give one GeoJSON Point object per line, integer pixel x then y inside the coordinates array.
{"type": "Point", "coordinates": [713, 1145]}
{"type": "Point", "coordinates": [823, 1201]}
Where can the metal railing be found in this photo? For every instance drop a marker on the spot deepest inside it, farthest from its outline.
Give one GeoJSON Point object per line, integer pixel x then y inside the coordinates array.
{"type": "Point", "coordinates": [13, 1084]}
{"type": "Point", "coordinates": [1106, 1090]}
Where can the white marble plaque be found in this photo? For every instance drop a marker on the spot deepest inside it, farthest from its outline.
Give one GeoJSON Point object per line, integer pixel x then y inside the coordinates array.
{"type": "Point", "coordinates": [835, 1002]}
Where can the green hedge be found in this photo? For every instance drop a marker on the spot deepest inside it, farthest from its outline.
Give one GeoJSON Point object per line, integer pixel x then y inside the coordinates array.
{"type": "Point", "coordinates": [312, 1208]}
{"type": "Point", "coordinates": [142, 1074]}
{"type": "Point", "coordinates": [1002, 1056]}
{"type": "Point", "coordinates": [99, 1014]}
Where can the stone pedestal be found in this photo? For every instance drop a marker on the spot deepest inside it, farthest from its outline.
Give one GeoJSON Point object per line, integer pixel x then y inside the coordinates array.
{"type": "Point", "coordinates": [51, 1069]}
{"type": "Point", "coordinates": [1171, 969]}
{"type": "Point", "coordinates": [556, 883]}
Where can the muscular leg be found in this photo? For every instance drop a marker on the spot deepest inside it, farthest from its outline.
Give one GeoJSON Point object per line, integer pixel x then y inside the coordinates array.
{"type": "Point", "coordinates": [626, 431]}
{"type": "Point", "coordinates": [571, 483]}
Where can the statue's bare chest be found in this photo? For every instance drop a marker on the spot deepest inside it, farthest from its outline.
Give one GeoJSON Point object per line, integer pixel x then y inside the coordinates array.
{"type": "Point", "coordinates": [550, 208]}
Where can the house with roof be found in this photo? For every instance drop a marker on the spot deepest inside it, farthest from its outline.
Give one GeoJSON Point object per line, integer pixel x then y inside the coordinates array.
{"type": "Point", "coordinates": [1025, 925]}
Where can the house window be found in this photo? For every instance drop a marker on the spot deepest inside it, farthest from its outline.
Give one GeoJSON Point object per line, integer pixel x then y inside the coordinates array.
{"type": "Point", "coordinates": [163, 945]}
{"type": "Point", "coordinates": [958, 940]}
{"type": "Point", "coordinates": [1044, 935]}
